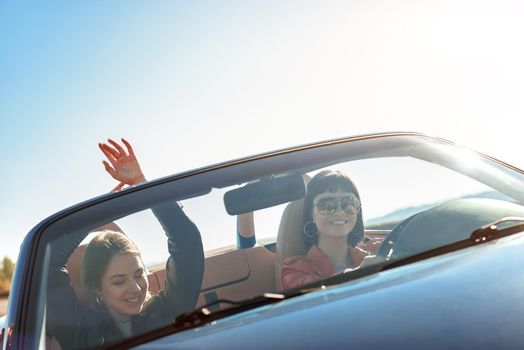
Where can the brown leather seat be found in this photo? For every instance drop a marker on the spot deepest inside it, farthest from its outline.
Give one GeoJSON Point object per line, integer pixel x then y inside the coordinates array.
{"type": "Point", "coordinates": [289, 237]}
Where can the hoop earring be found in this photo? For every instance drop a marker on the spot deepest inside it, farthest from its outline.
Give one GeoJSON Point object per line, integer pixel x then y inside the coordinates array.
{"type": "Point", "coordinates": [310, 231]}
{"type": "Point", "coordinates": [99, 300]}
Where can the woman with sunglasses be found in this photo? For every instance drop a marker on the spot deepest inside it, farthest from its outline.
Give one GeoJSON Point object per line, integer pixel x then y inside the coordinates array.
{"type": "Point", "coordinates": [332, 229]}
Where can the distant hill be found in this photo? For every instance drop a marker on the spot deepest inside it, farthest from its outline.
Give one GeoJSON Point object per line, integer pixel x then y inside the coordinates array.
{"type": "Point", "coordinates": [390, 220]}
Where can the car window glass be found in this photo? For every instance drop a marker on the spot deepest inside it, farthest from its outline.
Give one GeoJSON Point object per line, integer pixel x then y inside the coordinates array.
{"type": "Point", "coordinates": [391, 190]}
{"type": "Point", "coordinates": [394, 188]}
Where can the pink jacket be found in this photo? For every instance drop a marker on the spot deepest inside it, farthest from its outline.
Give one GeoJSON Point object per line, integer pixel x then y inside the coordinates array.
{"type": "Point", "coordinates": [300, 270]}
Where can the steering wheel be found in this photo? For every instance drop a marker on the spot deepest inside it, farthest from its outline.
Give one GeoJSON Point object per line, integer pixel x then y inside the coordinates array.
{"type": "Point", "coordinates": [392, 237]}
{"type": "Point", "coordinates": [446, 223]}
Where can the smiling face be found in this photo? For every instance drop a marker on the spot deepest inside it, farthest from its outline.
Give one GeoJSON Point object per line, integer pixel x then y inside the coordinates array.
{"type": "Point", "coordinates": [124, 285]}
{"type": "Point", "coordinates": [335, 213]}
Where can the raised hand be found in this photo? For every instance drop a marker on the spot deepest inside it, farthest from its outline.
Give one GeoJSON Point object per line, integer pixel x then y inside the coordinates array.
{"type": "Point", "coordinates": [123, 165]}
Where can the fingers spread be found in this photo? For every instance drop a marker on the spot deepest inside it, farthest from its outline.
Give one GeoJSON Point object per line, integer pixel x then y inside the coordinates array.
{"type": "Point", "coordinates": [109, 152]}
{"type": "Point", "coordinates": [129, 148]}
{"type": "Point", "coordinates": [118, 147]}
{"type": "Point", "coordinates": [111, 171]}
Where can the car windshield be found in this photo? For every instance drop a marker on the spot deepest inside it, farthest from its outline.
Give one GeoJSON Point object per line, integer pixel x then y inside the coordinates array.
{"type": "Point", "coordinates": [267, 224]}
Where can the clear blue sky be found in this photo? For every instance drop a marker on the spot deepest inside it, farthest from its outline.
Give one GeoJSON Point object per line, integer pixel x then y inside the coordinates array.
{"type": "Point", "coordinates": [190, 83]}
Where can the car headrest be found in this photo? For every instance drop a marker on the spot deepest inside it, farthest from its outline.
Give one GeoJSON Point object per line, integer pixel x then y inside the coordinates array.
{"type": "Point", "coordinates": [73, 269]}
{"type": "Point", "coordinates": [289, 238]}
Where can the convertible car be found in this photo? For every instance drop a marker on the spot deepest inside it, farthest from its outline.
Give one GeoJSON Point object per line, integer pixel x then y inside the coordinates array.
{"type": "Point", "coordinates": [447, 224]}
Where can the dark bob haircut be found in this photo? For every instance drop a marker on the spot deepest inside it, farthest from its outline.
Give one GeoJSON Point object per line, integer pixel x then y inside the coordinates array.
{"type": "Point", "coordinates": [329, 181]}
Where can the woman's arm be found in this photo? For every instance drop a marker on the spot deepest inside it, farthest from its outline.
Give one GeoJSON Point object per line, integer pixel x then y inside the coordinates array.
{"type": "Point", "coordinates": [297, 271]}
{"type": "Point", "coordinates": [185, 266]}
{"type": "Point", "coordinates": [246, 230]}
{"type": "Point", "coordinates": [63, 308]}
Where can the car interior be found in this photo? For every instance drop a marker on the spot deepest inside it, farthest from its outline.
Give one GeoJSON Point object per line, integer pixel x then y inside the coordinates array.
{"type": "Point", "coordinates": [232, 273]}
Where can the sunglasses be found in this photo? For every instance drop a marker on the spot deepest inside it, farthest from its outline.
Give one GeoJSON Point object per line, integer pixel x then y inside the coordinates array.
{"type": "Point", "coordinates": [350, 204]}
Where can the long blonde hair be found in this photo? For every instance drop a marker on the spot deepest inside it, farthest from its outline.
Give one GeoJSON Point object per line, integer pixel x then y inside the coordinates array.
{"type": "Point", "coordinates": [99, 252]}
